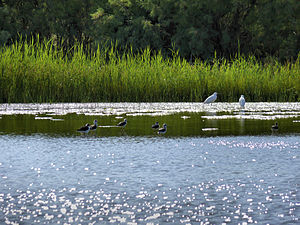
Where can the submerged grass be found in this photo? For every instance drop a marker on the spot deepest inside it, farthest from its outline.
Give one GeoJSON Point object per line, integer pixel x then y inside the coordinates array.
{"type": "Point", "coordinates": [41, 72]}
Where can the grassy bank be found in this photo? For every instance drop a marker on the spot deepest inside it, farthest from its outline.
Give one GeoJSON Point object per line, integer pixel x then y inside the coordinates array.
{"type": "Point", "coordinates": [31, 72]}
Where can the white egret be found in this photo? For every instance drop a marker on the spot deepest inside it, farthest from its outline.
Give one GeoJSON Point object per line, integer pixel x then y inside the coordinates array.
{"type": "Point", "coordinates": [211, 98]}
{"type": "Point", "coordinates": [242, 101]}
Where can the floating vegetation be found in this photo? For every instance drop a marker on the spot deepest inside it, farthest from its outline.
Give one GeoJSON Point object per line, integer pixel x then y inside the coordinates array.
{"type": "Point", "coordinates": [264, 110]}
{"type": "Point", "coordinates": [185, 117]}
{"type": "Point", "coordinates": [210, 129]}
{"type": "Point", "coordinates": [150, 109]}
{"type": "Point", "coordinates": [43, 118]}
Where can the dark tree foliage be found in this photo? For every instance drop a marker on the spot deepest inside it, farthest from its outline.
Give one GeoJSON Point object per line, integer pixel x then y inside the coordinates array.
{"type": "Point", "coordinates": [197, 29]}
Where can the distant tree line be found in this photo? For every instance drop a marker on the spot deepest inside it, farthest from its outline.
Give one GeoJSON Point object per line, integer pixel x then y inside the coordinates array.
{"type": "Point", "coordinates": [196, 28]}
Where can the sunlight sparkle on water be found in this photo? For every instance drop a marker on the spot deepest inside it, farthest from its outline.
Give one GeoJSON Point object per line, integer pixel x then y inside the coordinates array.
{"type": "Point", "coordinates": [221, 179]}
{"type": "Point", "coordinates": [134, 176]}
{"type": "Point", "coordinates": [151, 109]}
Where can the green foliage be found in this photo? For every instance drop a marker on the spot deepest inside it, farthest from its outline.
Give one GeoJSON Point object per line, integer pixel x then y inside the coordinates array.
{"type": "Point", "coordinates": [274, 27]}
{"type": "Point", "coordinates": [126, 23]}
{"type": "Point", "coordinates": [40, 71]}
{"type": "Point", "coordinates": [198, 29]}
{"type": "Point", "coordinates": [5, 29]}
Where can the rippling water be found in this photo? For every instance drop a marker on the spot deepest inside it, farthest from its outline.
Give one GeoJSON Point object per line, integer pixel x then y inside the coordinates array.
{"type": "Point", "coordinates": [258, 110]}
{"type": "Point", "coordinates": [140, 180]}
{"type": "Point", "coordinates": [183, 119]}
{"type": "Point", "coordinates": [138, 177]}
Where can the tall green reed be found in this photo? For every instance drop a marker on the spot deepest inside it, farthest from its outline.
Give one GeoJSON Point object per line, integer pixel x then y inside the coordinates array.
{"type": "Point", "coordinates": [41, 71]}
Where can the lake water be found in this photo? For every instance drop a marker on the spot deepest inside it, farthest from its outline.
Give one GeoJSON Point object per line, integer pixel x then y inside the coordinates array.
{"type": "Point", "coordinates": [216, 164]}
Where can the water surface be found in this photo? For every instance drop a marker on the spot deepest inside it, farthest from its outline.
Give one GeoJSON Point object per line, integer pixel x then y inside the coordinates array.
{"type": "Point", "coordinates": [215, 165]}
{"type": "Point", "coordinates": [183, 119]}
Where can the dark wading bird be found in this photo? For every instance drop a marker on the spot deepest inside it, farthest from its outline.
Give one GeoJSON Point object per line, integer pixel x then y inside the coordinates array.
{"type": "Point", "coordinates": [94, 127]}
{"type": "Point", "coordinates": [122, 124]}
{"type": "Point", "coordinates": [275, 127]}
{"type": "Point", "coordinates": [162, 130]}
{"type": "Point", "coordinates": [155, 126]}
{"type": "Point", "coordinates": [84, 129]}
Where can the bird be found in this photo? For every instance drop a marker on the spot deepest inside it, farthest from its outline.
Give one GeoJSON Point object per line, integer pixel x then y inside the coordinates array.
{"type": "Point", "coordinates": [84, 129]}
{"type": "Point", "coordinates": [155, 126]}
{"type": "Point", "coordinates": [94, 127]}
{"type": "Point", "coordinates": [242, 101]}
{"type": "Point", "coordinates": [211, 98]}
{"type": "Point", "coordinates": [122, 124]}
{"type": "Point", "coordinates": [162, 130]}
{"type": "Point", "coordinates": [275, 127]}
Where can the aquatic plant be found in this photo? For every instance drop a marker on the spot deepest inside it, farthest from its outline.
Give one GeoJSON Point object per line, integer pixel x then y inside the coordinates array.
{"type": "Point", "coordinates": [42, 71]}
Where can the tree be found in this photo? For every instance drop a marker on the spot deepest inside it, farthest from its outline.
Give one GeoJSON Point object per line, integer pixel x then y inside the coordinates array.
{"type": "Point", "coordinates": [275, 29]}
{"type": "Point", "coordinates": [128, 23]}
{"type": "Point", "coordinates": [198, 29]}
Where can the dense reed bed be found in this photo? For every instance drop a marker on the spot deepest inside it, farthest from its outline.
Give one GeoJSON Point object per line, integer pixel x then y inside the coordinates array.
{"type": "Point", "coordinates": [41, 72]}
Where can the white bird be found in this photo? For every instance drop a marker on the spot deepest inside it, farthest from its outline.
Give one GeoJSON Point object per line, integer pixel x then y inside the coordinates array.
{"type": "Point", "coordinates": [122, 124]}
{"type": "Point", "coordinates": [162, 130]}
{"type": "Point", "coordinates": [84, 129]}
{"type": "Point", "coordinates": [211, 98]}
{"type": "Point", "coordinates": [242, 101]}
{"type": "Point", "coordinates": [94, 127]}
{"type": "Point", "coordinates": [155, 126]}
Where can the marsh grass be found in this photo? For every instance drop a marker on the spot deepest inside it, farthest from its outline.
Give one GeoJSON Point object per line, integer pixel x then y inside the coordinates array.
{"type": "Point", "coordinates": [42, 72]}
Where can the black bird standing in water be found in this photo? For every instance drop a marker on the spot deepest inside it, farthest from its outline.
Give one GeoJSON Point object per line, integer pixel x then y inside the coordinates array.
{"type": "Point", "coordinates": [122, 124]}
{"type": "Point", "coordinates": [275, 127]}
{"type": "Point", "coordinates": [94, 127]}
{"type": "Point", "coordinates": [155, 126]}
{"type": "Point", "coordinates": [84, 129]}
{"type": "Point", "coordinates": [162, 130]}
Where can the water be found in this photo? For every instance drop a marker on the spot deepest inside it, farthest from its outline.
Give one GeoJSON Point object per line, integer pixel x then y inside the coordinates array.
{"type": "Point", "coordinates": [209, 168]}
{"type": "Point", "coordinates": [183, 119]}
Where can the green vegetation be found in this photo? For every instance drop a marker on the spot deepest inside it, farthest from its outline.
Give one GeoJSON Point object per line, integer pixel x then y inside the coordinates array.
{"type": "Point", "coordinates": [198, 29]}
{"type": "Point", "coordinates": [39, 71]}
{"type": "Point", "coordinates": [181, 50]}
